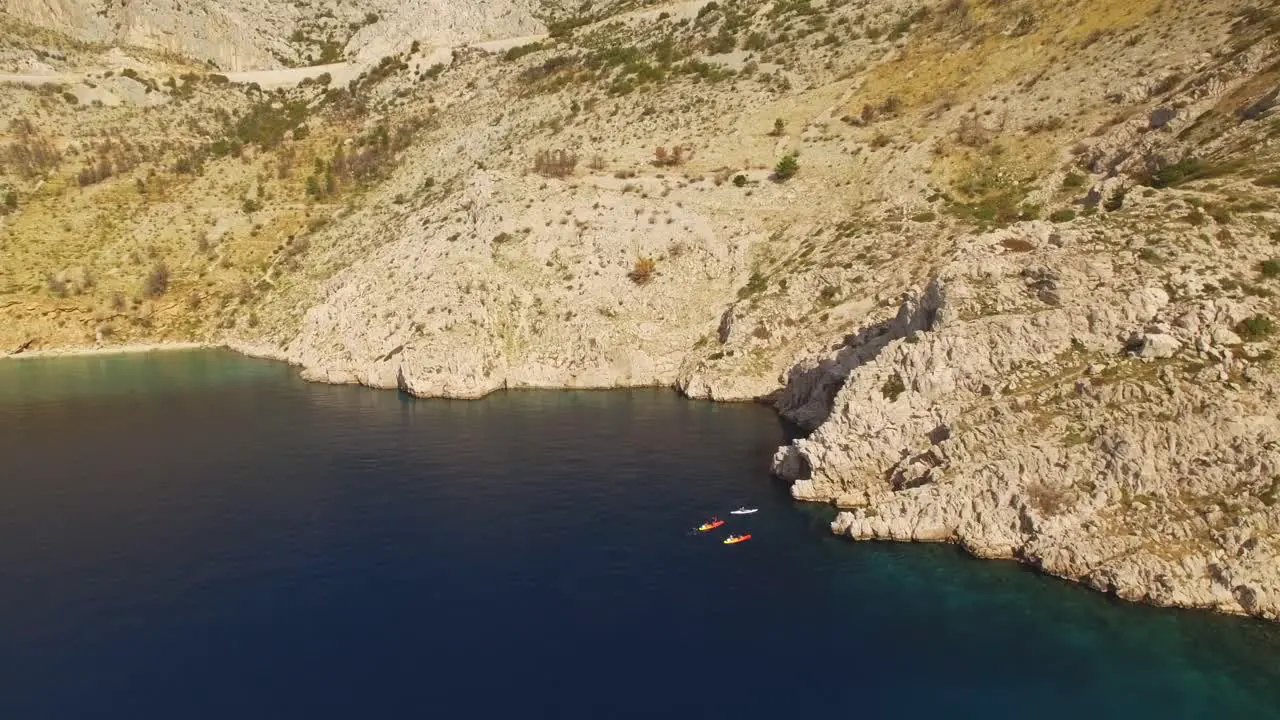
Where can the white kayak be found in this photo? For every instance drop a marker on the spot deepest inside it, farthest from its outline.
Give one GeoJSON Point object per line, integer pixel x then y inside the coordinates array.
{"type": "Point", "coordinates": [743, 511]}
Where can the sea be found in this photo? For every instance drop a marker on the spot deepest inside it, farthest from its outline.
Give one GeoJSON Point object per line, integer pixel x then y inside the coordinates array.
{"type": "Point", "coordinates": [191, 535]}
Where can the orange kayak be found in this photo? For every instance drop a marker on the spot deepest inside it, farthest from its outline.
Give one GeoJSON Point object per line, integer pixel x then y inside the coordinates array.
{"type": "Point", "coordinates": [735, 539]}
{"type": "Point", "coordinates": [711, 525]}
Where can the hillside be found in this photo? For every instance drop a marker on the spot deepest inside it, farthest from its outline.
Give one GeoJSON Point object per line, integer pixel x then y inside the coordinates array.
{"type": "Point", "coordinates": [1012, 262]}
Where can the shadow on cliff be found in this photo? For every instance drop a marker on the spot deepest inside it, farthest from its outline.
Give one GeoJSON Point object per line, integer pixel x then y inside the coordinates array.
{"type": "Point", "coordinates": [810, 392]}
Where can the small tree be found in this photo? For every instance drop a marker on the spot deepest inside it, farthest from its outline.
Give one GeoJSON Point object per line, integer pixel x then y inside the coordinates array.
{"type": "Point", "coordinates": [786, 168]}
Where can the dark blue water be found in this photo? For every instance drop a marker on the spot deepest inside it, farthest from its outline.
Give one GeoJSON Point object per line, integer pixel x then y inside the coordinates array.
{"type": "Point", "coordinates": [194, 535]}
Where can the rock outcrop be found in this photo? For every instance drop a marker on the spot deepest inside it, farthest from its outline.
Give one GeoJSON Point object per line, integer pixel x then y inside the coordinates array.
{"type": "Point", "coordinates": [1024, 421]}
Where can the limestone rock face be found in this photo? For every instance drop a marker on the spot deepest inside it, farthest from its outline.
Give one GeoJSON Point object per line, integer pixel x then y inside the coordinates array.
{"type": "Point", "coordinates": [1031, 433]}
{"type": "Point", "coordinates": [243, 35]}
{"type": "Point", "coordinates": [236, 35]}
{"type": "Point", "coordinates": [504, 293]}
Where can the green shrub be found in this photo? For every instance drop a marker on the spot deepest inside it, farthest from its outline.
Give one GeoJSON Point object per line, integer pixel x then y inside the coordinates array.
{"type": "Point", "coordinates": [739, 180]}
{"type": "Point", "coordinates": [1255, 328]}
{"type": "Point", "coordinates": [893, 387]}
{"type": "Point", "coordinates": [786, 168]}
{"type": "Point", "coordinates": [1072, 181]}
{"type": "Point", "coordinates": [265, 126]}
{"type": "Point", "coordinates": [1269, 268]}
{"type": "Point", "coordinates": [1061, 216]}
{"type": "Point", "coordinates": [755, 42]}
{"type": "Point", "coordinates": [1188, 170]}
{"type": "Point", "coordinates": [520, 51]}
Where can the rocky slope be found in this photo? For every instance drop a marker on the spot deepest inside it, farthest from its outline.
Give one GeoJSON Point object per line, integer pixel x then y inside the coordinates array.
{"type": "Point", "coordinates": [1016, 277]}
{"type": "Point", "coordinates": [237, 35]}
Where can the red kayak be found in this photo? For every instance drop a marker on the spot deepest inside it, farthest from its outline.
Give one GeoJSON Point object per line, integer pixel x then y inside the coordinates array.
{"type": "Point", "coordinates": [711, 524]}
{"type": "Point", "coordinates": [735, 539]}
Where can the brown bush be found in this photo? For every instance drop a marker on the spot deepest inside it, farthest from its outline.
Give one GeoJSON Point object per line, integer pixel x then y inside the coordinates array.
{"type": "Point", "coordinates": [57, 286]}
{"type": "Point", "coordinates": [973, 133]}
{"type": "Point", "coordinates": [555, 163]}
{"type": "Point", "coordinates": [158, 281]}
{"type": "Point", "coordinates": [1048, 499]}
{"type": "Point", "coordinates": [643, 271]}
{"type": "Point", "coordinates": [678, 155]}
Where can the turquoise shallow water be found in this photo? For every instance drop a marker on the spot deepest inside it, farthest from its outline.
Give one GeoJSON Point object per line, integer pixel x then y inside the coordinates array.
{"type": "Point", "coordinates": [197, 535]}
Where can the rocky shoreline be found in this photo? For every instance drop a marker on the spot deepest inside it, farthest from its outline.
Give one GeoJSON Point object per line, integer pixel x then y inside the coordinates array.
{"type": "Point", "coordinates": [1022, 409]}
